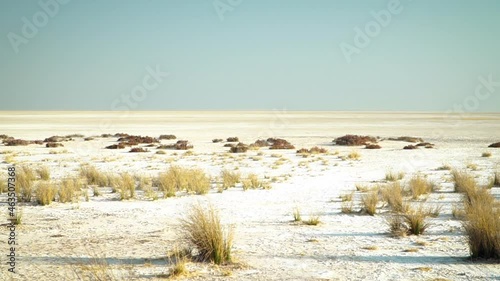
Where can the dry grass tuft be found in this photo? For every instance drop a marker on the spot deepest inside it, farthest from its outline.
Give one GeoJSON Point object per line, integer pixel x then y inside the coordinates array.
{"type": "Point", "coordinates": [486, 154]}
{"type": "Point", "coordinates": [393, 195]}
{"type": "Point", "coordinates": [415, 220]}
{"type": "Point", "coordinates": [370, 202]}
{"type": "Point", "coordinates": [313, 220]}
{"type": "Point", "coordinates": [177, 179]}
{"type": "Point", "coordinates": [43, 172]}
{"type": "Point", "coordinates": [203, 229]}
{"type": "Point", "coordinates": [229, 178]}
{"type": "Point", "coordinates": [198, 182]}
{"type": "Point", "coordinates": [354, 155]}
{"type": "Point", "coordinates": [346, 207]}
{"type": "Point", "coordinates": [482, 223]}
{"type": "Point", "coordinates": [419, 186]}
{"type": "Point", "coordinates": [393, 176]}
{"type": "Point", "coordinates": [25, 178]}
{"type": "Point", "coordinates": [127, 186]}
{"type": "Point", "coordinates": [296, 214]}
{"type": "Point", "coordinates": [67, 190]}
{"type": "Point", "coordinates": [45, 193]}
{"type": "Point", "coordinates": [464, 182]}
{"type": "Point", "coordinates": [94, 176]}
{"type": "Point", "coordinates": [251, 182]}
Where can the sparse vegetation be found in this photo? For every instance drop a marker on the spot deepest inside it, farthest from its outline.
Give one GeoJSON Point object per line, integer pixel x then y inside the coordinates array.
{"type": "Point", "coordinates": [202, 227]}
{"type": "Point", "coordinates": [296, 214]}
{"type": "Point", "coordinates": [482, 223]}
{"type": "Point", "coordinates": [346, 207]}
{"type": "Point", "coordinates": [127, 186]}
{"type": "Point", "coordinates": [415, 220]}
{"type": "Point", "coordinates": [93, 176]}
{"type": "Point", "coordinates": [393, 195]}
{"type": "Point", "coordinates": [393, 176]}
{"type": "Point", "coordinates": [370, 202]}
{"type": "Point", "coordinates": [229, 178]}
{"type": "Point", "coordinates": [463, 181]}
{"type": "Point", "coordinates": [486, 154]}
{"type": "Point", "coordinates": [67, 190]}
{"type": "Point", "coordinates": [313, 220]}
{"type": "Point", "coordinates": [45, 193]}
{"type": "Point", "coordinates": [251, 182]}
{"type": "Point", "coordinates": [43, 173]}
{"type": "Point", "coordinates": [419, 186]}
{"type": "Point", "coordinates": [198, 182]}
{"type": "Point", "coordinates": [25, 178]}
{"type": "Point", "coordinates": [354, 155]}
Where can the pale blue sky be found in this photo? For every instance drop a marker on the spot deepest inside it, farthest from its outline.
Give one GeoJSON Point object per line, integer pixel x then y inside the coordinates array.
{"type": "Point", "coordinates": [262, 55]}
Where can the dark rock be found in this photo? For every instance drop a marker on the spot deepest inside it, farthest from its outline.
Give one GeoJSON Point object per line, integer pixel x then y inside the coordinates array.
{"type": "Point", "coordinates": [260, 143]}
{"type": "Point", "coordinates": [233, 139]}
{"type": "Point", "coordinates": [410, 147]}
{"type": "Point", "coordinates": [15, 142]}
{"type": "Point", "coordinates": [88, 139]}
{"type": "Point", "coordinates": [351, 140]}
{"type": "Point", "coordinates": [229, 145]}
{"type": "Point", "coordinates": [106, 135]}
{"type": "Point", "coordinates": [54, 144]}
{"type": "Point", "coordinates": [138, 139]}
{"type": "Point", "coordinates": [239, 148]}
{"type": "Point", "coordinates": [496, 145]}
{"type": "Point", "coordinates": [281, 144]}
{"type": "Point", "coordinates": [138, 149]}
{"type": "Point", "coordinates": [217, 140]}
{"type": "Point", "coordinates": [116, 146]}
{"type": "Point", "coordinates": [424, 144]}
{"type": "Point", "coordinates": [167, 137]}
{"type": "Point", "coordinates": [55, 139]}
{"type": "Point", "coordinates": [373, 146]}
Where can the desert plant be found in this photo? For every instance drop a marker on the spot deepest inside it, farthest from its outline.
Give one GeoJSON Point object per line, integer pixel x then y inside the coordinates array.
{"type": "Point", "coordinates": [464, 182]}
{"type": "Point", "coordinates": [486, 154]}
{"type": "Point", "coordinates": [127, 186]}
{"type": "Point", "coordinates": [415, 220]}
{"type": "Point", "coordinates": [93, 176]}
{"type": "Point", "coordinates": [496, 179]}
{"type": "Point", "coordinates": [482, 224]}
{"type": "Point", "coordinates": [45, 193]}
{"type": "Point", "coordinates": [393, 195]}
{"type": "Point", "coordinates": [178, 259]}
{"type": "Point", "coordinates": [313, 220]}
{"type": "Point", "coordinates": [171, 181]}
{"type": "Point", "coordinates": [346, 207]}
{"type": "Point", "coordinates": [397, 226]}
{"type": "Point", "coordinates": [419, 185]}
{"type": "Point", "coordinates": [370, 202]}
{"type": "Point", "coordinates": [95, 191]}
{"type": "Point", "coordinates": [229, 178]}
{"type": "Point", "coordinates": [24, 184]}
{"type": "Point", "coordinates": [251, 182]}
{"type": "Point", "coordinates": [43, 172]}
{"type": "Point", "coordinates": [17, 219]}
{"type": "Point", "coordinates": [67, 190]}
{"type": "Point", "coordinates": [296, 214]}
{"type": "Point", "coordinates": [393, 176]}
{"type": "Point", "coordinates": [203, 229]}
{"type": "Point", "coordinates": [347, 197]}
{"type": "Point", "coordinates": [354, 155]}
{"type": "Point", "coordinates": [198, 182]}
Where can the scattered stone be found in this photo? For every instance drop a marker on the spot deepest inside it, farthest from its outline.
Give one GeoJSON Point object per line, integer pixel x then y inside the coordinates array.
{"type": "Point", "coordinates": [407, 139]}
{"type": "Point", "coordinates": [229, 145]}
{"type": "Point", "coordinates": [314, 150]}
{"type": "Point", "coordinates": [138, 139]}
{"type": "Point", "coordinates": [497, 144]}
{"type": "Point", "coordinates": [38, 142]}
{"type": "Point", "coordinates": [373, 146]}
{"type": "Point", "coordinates": [54, 144]}
{"type": "Point", "coordinates": [167, 137]}
{"type": "Point", "coordinates": [138, 149]}
{"type": "Point", "coordinates": [281, 144]}
{"type": "Point", "coordinates": [121, 135]}
{"type": "Point", "coordinates": [217, 140]}
{"type": "Point", "coordinates": [106, 135]}
{"type": "Point", "coordinates": [352, 140]}
{"type": "Point", "coordinates": [55, 139]}
{"type": "Point", "coordinates": [429, 146]}
{"type": "Point", "coordinates": [116, 146]}
{"type": "Point", "coordinates": [74, 136]}
{"type": "Point", "coordinates": [88, 139]}
{"type": "Point", "coordinates": [260, 143]}
{"type": "Point", "coordinates": [239, 148]}
{"type": "Point", "coordinates": [424, 144]}
{"type": "Point", "coordinates": [2, 137]}
{"type": "Point", "coordinates": [233, 139]}
{"type": "Point", "coordinates": [410, 147]}
{"type": "Point", "coordinates": [15, 142]}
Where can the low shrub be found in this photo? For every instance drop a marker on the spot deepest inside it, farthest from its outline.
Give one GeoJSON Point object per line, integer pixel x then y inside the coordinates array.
{"type": "Point", "coordinates": [251, 182]}
{"type": "Point", "coordinates": [229, 178]}
{"type": "Point", "coordinates": [45, 193]}
{"type": "Point", "coordinates": [370, 202]}
{"type": "Point", "coordinates": [419, 185]}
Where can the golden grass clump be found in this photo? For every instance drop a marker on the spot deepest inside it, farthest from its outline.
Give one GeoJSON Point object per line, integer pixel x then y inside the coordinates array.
{"type": "Point", "coordinates": [202, 227]}
{"type": "Point", "coordinates": [354, 155]}
{"type": "Point", "coordinates": [45, 193]}
{"type": "Point", "coordinates": [415, 220]}
{"type": "Point", "coordinates": [393, 176]}
{"type": "Point", "coordinates": [296, 214]}
{"type": "Point", "coordinates": [463, 181]}
{"type": "Point", "coordinates": [486, 154]}
{"type": "Point", "coordinates": [313, 220]}
{"type": "Point", "coordinates": [197, 182]}
{"type": "Point", "coordinates": [482, 223]}
{"type": "Point", "coordinates": [229, 178]}
{"type": "Point", "coordinates": [251, 182]}
{"type": "Point", "coordinates": [370, 202]}
{"type": "Point", "coordinates": [67, 190]}
{"type": "Point", "coordinates": [172, 180]}
{"type": "Point", "coordinates": [346, 207]}
{"type": "Point", "coordinates": [127, 186]}
{"type": "Point", "coordinates": [419, 186]}
{"type": "Point", "coordinates": [93, 176]}
{"type": "Point", "coordinates": [25, 178]}
{"type": "Point", "coordinates": [43, 172]}
{"type": "Point", "coordinates": [393, 195]}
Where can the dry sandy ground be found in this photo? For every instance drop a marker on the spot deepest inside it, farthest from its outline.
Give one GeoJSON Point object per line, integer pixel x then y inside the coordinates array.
{"type": "Point", "coordinates": [133, 236]}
